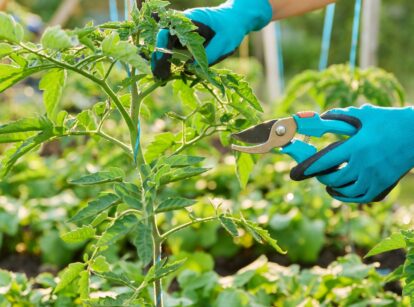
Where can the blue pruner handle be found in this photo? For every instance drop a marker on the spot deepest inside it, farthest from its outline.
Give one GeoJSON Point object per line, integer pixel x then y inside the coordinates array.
{"type": "Point", "coordinates": [311, 124]}
{"type": "Point", "coordinates": [299, 150]}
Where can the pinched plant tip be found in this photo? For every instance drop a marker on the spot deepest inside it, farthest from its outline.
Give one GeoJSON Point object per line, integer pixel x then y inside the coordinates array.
{"type": "Point", "coordinates": [211, 102]}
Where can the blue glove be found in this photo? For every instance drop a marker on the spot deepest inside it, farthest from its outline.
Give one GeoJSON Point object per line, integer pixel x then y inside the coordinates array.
{"type": "Point", "coordinates": [223, 28]}
{"type": "Point", "coordinates": [368, 165]}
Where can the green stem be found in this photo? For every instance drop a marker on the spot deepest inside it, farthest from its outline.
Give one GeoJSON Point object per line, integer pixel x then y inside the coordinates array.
{"type": "Point", "coordinates": [102, 83]}
{"type": "Point", "coordinates": [105, 136]}
{"type": "Point", "coordinates": [181, 227]}
{"type": "Point", "coordinates": [157, 254]}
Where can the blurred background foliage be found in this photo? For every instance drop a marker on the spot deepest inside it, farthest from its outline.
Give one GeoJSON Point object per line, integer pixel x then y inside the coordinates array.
{"type": "Point", "coordinates": [36, 199]}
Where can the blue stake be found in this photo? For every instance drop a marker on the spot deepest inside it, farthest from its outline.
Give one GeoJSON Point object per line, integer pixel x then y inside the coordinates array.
{"type": "Point", "coordinates": [137, 142]}
{"type": "Point", "coordinates": [113, 10]}
{"type": "Point", "coordinates": [326, 38]}
{"type": "Point", "coordinates": [355, 34]}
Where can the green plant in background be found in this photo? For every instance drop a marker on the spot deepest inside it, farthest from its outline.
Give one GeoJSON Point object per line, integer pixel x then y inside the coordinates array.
{"type": "Point", "coordinates": [340, 86]}
{"type": "Point", "coordinates": [213, 102]}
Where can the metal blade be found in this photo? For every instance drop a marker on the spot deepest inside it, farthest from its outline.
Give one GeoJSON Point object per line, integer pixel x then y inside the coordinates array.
{"type": "Point", "coordinates": [255, 135]}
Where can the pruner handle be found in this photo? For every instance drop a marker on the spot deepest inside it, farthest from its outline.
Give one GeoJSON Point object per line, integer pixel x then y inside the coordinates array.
{"type": "Point", "coordinates": [299, 150]}
{"type": "Point", "coordinates": [311, 124]}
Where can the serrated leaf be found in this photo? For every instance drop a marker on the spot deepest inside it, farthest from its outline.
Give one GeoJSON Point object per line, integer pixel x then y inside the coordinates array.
{"type": "Point", "coordinates": [395, 241]}
{"type": "Point", "coordinates": [100, 265]}
{"type": "Point", "coordinates": [242, 88]}
{"type": "Point", "coordinates": [52, 85]}
{"type": "Point", "coordinates": [26, 125]}
{"type": "Point", "coordinates": [83, 285]}
{"type": "Point", "coordinates": [56, 38]}
{"type": "Point", "coordinates": [99, 177]}
{"type": "Point", "coordinates": [181, 160]}
{"type": "Point", "coordinates": [244, 166]}
{"type": "Point", "coordinates": [9, 29]}
{"type": "Point", "coordinates": [15, 137]}
{"type": "Point", "coordinates": [5, 49]}
{"type": "Point", "coordinates": [161, 269]}
{"type": "Point", "coordinates": [10, 75]}
{"type": "Point", "coordinates": [126, 188]}
{"type": "Point", "coordinates": [99, 219]}
{"type": "Point", "coordinates": [161, 143]}
{"type": "Point", "coordinates": [143, 242]}
{"type": "Point", "coordinates": [229, 225]}
{"type": "Point", "coordinates": [95, 207]}
{"type": "Point", "coordinates": [185, 93]}
{"type": "Point", "coordinates": [124, 51]}
{"type": "Point", "coordinates": [183, 28]}
{"type": "Point", "coordinates": [86, 120]}
{"type": "Point", "coordinates": [172, 204]}
{"type": "Point", "coordinates": [181, 174]}
{"type": "Point", "coordinates": [261, 235]}
{"type": "Point", "coordinates": [117, 278]}
{"type": "Point", "coordinates": [120, 228]}
{"type": "Point", "coordinates": [68, 275]}
{"type": "Point", "coordinates": [79, 234]}
{"type": "Point", "coordinates": [14, 154]}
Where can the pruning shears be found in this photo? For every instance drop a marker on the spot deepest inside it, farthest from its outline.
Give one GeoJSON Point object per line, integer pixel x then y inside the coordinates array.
{"type": "Point", "coordinates": [281, 133]}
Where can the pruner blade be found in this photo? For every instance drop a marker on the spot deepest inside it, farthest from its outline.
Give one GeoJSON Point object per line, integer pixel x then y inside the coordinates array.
{"type": "Point", "coordinates": [271, 134]}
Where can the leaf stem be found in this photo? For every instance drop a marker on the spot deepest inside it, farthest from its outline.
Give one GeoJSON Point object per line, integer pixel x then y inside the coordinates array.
{"type": "Point", "coordinates": [102, 134]}
{"type": "Point", "coordinates": [181, 227]}
{"type": "Point", "coordinates": [102, 83]}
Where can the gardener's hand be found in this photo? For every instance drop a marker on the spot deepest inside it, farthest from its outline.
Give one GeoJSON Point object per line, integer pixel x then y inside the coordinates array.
{"type": "Point", "coordinates": [372, 161]}
{"type": "Point", "coordinates": [223, 28]}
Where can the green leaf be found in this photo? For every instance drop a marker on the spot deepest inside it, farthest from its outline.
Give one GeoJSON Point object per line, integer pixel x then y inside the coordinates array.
{"type": "Point", "coordinates": [124, 51]}
{"type": "Point", "coordinates": [83, 285]}
{"type": "Point", "coordinates": [395, 241]}
{"type": "Point", "coordinates": [23, 129]}
{"type": "Point", "coordinates": [181, 174]}
{"type": "Point", "coordinates": [143, 242]}
{"type": "Point", "coordinates": [184, 29]}
{"type": "Point", "coordinates": [208, 111]}
{"type": "Point", "coordinates": [159, 146]}
{"type": "Point", "coordinates": [56, 38]}
{"type": "Point", "coordinates": [185, 93]}
{"type": "Point", "coordinates": [9, 29]}
{"type": "Point", "coordinates": [172, 204]}
{"type": "Point", "coordinates": [261, 235]}
{"type": "Point", "coordinates": [161, 269]}
{"type": "Point", "coordinates": [52, 85]}
{"type": "Point", "coordinates": [229, 225]}
{"type": "Point", "coordinates": [99, 218]}
{"type": "Point", "coordinates": [79, 234]}
{"type": "Point", "coordinates": [27, 124]}
{"type": "Point", "coordinates": [112, 175]}
{"type": "Point", "coordinates": [95, 207]}
{"type": "Point", "coordinates": [14, 154]}
{"type": "Point", "coordinates": [100, 265]}
{"type": "Point", "coordinates": [5, 49]}
{"type": "Point", "coordinates": [241, 87]}
{"type": "Point", "coordinates": [233, 298]}
{"type": "Point", "coordinates": [68, 275]}
{"type": "Point", "coordinates": [244, 166]}
{"type": "Point", "coordinates": [86, 120]}
{"type": "Point", "coordinates": [10, 75]}
{"type": "Point", "coordinates": [179, 161]}
{"type": "Point", "coordinates": [130, 194]}
{"type": "Point", "coordinates": [119, 279]}
{"type": "Point", "coordinates": [120, 228]}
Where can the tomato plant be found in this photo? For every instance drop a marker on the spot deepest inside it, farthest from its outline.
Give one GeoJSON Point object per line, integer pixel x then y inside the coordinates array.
{"type": "Point", "coordinates": [213, 102]}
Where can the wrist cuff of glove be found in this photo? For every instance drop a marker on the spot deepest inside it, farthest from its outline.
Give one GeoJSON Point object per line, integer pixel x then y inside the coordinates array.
{"type": "Point", "coordinates": [256, 14]}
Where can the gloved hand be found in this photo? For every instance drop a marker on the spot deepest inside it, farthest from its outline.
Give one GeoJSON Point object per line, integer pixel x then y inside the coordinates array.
{"type": "Point", "coordinates": [373, 160]}
{"type": "Point", "coordinates": [223, 28]}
